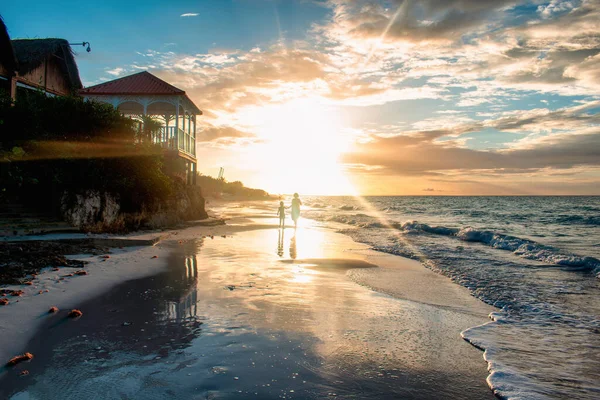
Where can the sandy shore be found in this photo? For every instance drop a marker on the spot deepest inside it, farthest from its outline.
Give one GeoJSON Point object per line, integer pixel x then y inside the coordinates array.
{"type": "Point", "coordinates": [21, 318]}
{"type": "Point", "coordinates": [260, 313]}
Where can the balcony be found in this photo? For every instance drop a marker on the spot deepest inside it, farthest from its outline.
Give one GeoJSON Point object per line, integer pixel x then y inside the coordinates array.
{"type": "Point", "coordinates": [172, 138]}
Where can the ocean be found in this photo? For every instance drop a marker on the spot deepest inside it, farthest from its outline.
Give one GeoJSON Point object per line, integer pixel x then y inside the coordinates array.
{"type": "Point", "coordinates": [537, 259]}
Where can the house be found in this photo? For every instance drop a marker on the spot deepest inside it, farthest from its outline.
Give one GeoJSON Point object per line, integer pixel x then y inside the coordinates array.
{"type": "Point", "coordinates": [143, 94]}
{"type": "Point", "coordinates": [8, 62]}
{"type": "Point", "coordinates": [46, 65]}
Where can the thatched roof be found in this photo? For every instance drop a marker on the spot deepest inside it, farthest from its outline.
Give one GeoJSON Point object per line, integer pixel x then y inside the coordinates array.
{"type": "Point", "coordinates": [7, 55]}
{"type": "Point", "coordinates": [31, 53]}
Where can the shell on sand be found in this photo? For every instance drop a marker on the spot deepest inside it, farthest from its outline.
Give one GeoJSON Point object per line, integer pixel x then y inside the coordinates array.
{"type": "Point", "coordinates": [20, 358]}
{"type": "Point", "coordinates": [75, 313]}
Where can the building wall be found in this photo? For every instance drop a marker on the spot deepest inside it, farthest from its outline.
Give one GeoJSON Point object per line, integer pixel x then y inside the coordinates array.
{"type": "Point", "coordinates": [49, 77]}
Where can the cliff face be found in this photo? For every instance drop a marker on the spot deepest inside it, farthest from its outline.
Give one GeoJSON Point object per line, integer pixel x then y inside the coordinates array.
{"type": "Point", "coordinates": [95, 211]}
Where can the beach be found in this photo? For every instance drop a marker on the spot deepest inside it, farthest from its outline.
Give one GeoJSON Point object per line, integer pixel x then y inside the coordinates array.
{"type": "Point", "coordinates": [436, 165]}
{"type": "Point", "coordinates": [248, 310]}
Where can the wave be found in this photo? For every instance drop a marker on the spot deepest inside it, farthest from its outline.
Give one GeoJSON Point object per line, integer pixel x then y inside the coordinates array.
{"type": "Point", "coordinates": [578, 219]}
{"type": "Point", "coordinates": [522, 247]}
{"type": "Point", "coordinates": [416, 227]}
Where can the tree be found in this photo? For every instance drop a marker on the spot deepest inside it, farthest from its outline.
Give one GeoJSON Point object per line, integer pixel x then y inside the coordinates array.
{"type": "Point", "coordinates": [151, 128]}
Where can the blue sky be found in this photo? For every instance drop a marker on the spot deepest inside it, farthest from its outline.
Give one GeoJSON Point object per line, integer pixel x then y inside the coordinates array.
{"type": "Point", "coordinates": [396, 96]}
{"type": "Point", "coordinates": [119, 29]}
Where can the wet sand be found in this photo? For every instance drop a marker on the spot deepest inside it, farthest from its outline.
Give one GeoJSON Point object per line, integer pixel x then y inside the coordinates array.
{"type": "Point", "coordinates": [263, 314]}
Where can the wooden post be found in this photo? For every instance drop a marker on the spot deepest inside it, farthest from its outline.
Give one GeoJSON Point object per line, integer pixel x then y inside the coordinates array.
{"type": "Point", "coordinates": [176, 127]}
{"type": "Point", "coordinates": [46, 75]}
{"type": "Point", "coordinates": [194, 139]}
{"type": "Point", "coordinates": [13, 88]}
{"type": "Point", "coordinates": [164, 139]}
{"type": "Point", "coordinates": [188, 144]}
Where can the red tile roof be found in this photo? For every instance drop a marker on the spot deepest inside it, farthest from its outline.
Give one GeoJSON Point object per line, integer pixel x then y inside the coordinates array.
{"type": "Point", "coordinates": [142, 83]}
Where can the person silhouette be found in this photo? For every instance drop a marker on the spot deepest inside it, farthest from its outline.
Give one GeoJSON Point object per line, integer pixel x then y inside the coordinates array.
{"type": "Point", "coordinates": [296, 203]}
{"type": "Point", "coordinates": [281, 213]}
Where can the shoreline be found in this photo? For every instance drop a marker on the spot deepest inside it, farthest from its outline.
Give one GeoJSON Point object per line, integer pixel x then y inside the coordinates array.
{"type": "Point", "coordinates": [435, 292]}
{"type": "Point", "coordinates": [25, 312]}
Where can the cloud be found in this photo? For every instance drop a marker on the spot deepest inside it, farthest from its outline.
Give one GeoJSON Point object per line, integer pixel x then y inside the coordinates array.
{"type": "Point", "coordinates": [211, 133]}
{"type": "Point", "coordinates": [229, 81]}
{"type": "Point", "coordinates": [571, 139]}
{"type": "Point", "coordinates": [557, 52]}
{"type": "Point", "coordinates": [415, 21]}
{"type": "Point", "coordinates": [542, 119]}
{"type": "Point", "coordinates": [394, 156]}
{"type": "Point", "coordinates": [115, 71]}
{"type": "Point", "coordinates": [368, 50]}
{"type": "Point", "coordinates": [496, 45]}
{"type": "Point", "coordinates": [189, 15]}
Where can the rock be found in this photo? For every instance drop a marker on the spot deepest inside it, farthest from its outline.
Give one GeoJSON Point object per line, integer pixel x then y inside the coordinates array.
{"type": "Point", "coordinates": [91, 208]}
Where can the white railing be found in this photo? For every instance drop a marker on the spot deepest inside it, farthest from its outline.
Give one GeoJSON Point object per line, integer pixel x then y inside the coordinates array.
{"type": "Point", "coordinates": [170, 137]}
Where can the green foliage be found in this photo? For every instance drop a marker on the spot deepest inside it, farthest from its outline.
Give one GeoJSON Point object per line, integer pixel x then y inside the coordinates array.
{"type": "Point", "coordinates": [217, 187]}
{"type": "Point", "coordinates": [150, 128]}
{"type": "Point", "coordinates": [50, 145]}
{"type": "Point", "coordinates": [35, 116]}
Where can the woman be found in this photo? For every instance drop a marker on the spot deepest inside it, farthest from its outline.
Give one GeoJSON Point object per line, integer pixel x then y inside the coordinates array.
{"type": "Point", "coordinates": [296, 203]}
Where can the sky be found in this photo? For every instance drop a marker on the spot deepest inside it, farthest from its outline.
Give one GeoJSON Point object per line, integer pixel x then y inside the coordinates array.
{"type": "Point", "coordinates": [396, 97]}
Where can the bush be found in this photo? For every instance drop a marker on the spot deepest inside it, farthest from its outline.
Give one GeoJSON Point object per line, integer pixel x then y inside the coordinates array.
{"type": "Point", "coordinates": [50, 145]}
{"type": "Point", "coordinates": [37, 117]}
{"type": "Point", "coordinates": [215, 187]}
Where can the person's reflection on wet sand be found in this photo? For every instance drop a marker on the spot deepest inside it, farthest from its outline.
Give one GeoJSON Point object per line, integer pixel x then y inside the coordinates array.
{"type": "Point", "coordinates": [280, 242]}
{"type": "Point", "coordinates": [293, 252]}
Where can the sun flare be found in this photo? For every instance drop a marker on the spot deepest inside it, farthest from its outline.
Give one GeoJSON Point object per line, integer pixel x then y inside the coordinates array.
{"type": "Point", "coordinates": [301, 142]}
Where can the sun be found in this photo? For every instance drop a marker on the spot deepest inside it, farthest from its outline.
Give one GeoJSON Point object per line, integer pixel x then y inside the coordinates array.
{"type": "Point", "coordinates": [301, 143]}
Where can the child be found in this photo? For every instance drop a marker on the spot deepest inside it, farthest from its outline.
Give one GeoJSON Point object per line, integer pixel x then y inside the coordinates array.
{"type": "Point", "coordinates": [281, 213]}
